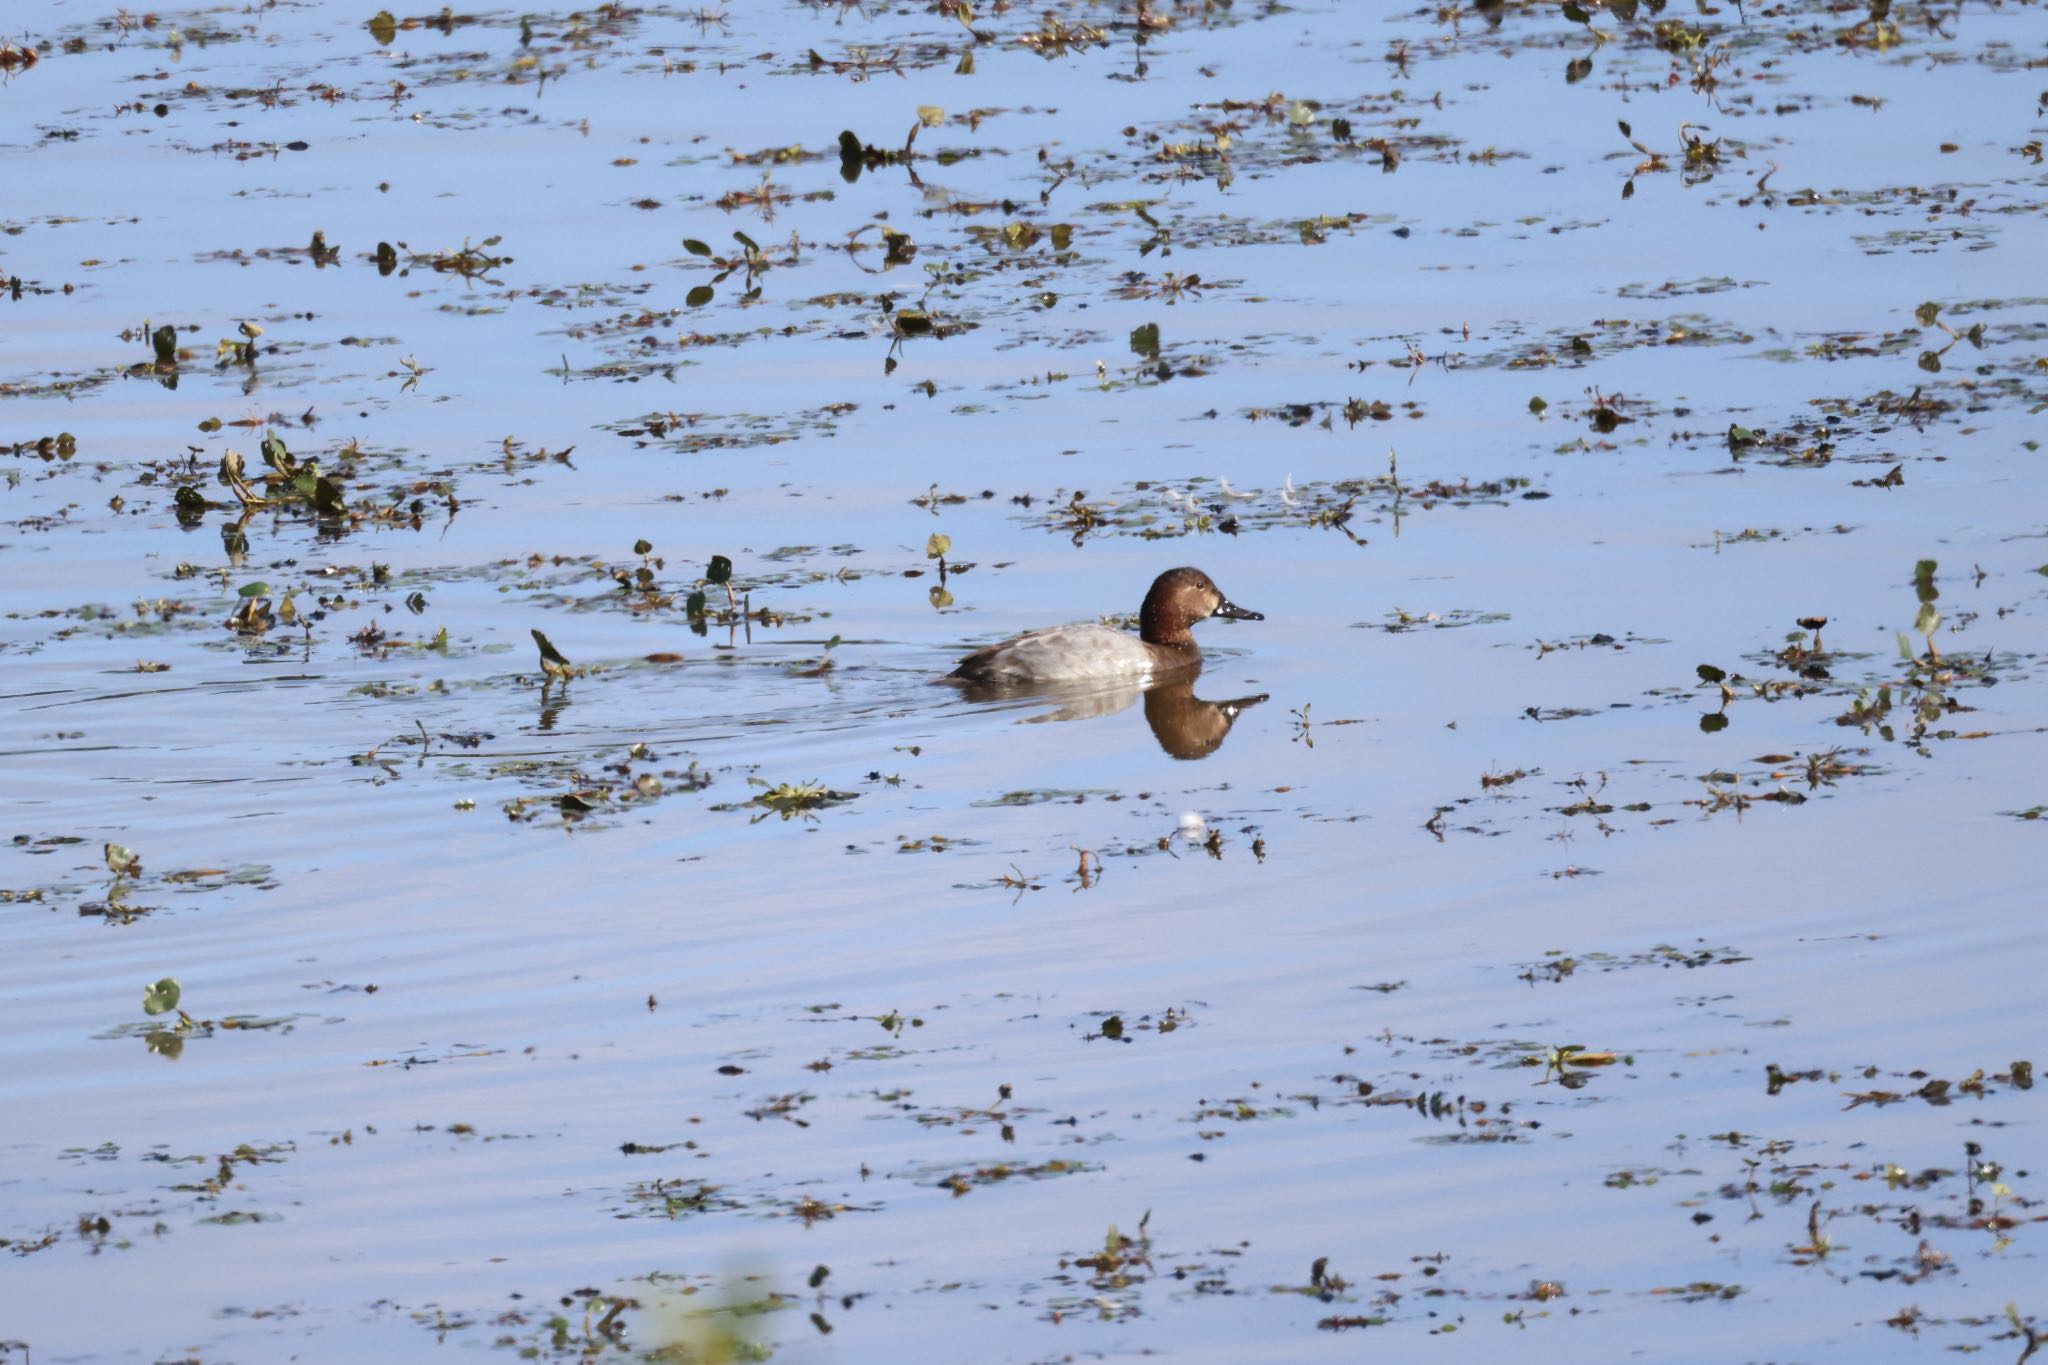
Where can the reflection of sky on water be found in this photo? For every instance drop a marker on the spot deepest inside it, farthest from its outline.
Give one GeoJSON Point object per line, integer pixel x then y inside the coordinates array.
{"type": "Point", "coordinates": [1882, 924]}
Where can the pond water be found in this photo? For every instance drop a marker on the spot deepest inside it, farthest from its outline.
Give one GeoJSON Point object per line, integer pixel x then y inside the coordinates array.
{"type": "Point", "coordinates": [1535, 936]}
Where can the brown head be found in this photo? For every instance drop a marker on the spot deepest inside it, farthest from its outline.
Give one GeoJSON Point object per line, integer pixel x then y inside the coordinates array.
{"type": "Point", "coordinates": [1179, 598]}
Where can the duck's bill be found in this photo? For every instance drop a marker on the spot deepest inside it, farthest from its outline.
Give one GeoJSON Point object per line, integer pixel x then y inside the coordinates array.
{"type": "Point", "coordinates": [1233, 612]}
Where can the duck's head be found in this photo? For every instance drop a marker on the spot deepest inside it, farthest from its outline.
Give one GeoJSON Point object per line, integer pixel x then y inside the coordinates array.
{"type": "Point", "coordinates": [1179, 598]}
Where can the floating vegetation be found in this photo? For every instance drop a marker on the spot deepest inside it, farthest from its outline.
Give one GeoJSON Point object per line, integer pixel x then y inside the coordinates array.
{"type": "Point", "coordinates": [1560, 966]}
{"type": "Point", "coordinates": [791, 799]}
{"type": "Point", "coordinates": [1154, 510]}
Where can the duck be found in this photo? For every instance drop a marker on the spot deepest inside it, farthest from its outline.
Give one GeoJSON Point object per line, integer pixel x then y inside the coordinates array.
{"type": "Point", "coordinates": [1162, 648]}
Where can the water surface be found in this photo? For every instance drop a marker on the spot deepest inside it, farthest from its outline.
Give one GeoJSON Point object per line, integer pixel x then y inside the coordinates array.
{"type": "Point", "coordinates": [1574, 956]}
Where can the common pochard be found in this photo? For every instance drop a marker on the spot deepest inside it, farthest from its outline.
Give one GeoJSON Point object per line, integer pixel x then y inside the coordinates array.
{"type": "Point", "coordinates": [1162, 647]}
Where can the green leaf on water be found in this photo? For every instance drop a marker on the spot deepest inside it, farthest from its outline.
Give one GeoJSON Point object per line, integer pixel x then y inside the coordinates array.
{"type": "Point", "coordinates": [699, 296]}
{"type": "Point", "coordinates": [1709, 673]}
{"type": "Point", "coordinates": [121, 861]}
{"type": "Point", "coordinates": [1538, 406]}
{"type": "Point", "coordinates": [1145, 340]}
{"type": "Point", "coordinates": [695, 247]}
{"type": "Point", "coordinates": [695, 603]}
{"type": "Point", "coordinates": [161, 997]}
{"type": "Point", "coordinates": [720, 571]}
{"type": "Point", "coordinates": [257, 589]}
{"type": "Point", "coordinates": [1928, 620]}
{"type": "Point", "coordinates": [937, 545]}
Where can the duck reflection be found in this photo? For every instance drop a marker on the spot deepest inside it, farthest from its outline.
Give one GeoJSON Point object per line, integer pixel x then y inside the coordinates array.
{"type": "Point", "coordinates": [1186, 726]}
